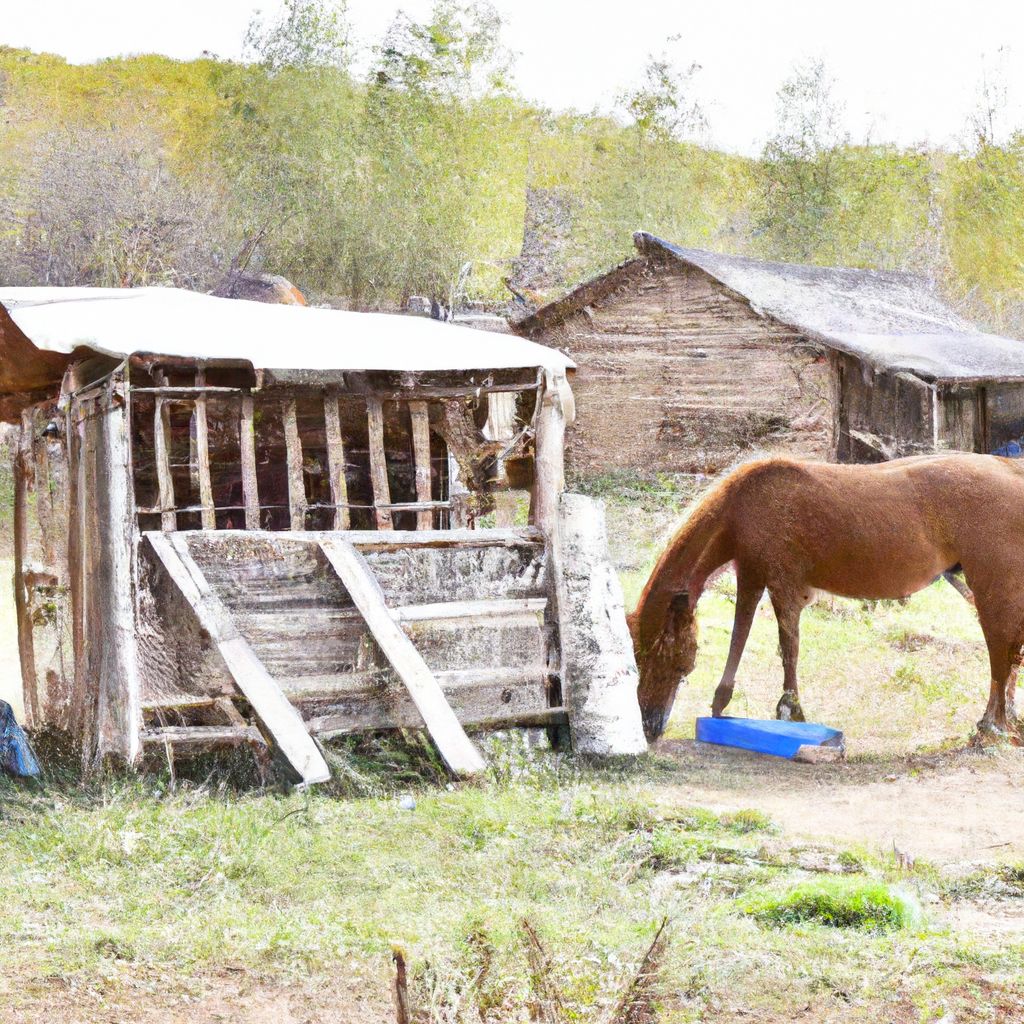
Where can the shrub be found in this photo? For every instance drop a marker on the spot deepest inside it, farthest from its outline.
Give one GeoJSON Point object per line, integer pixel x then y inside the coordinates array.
{"type": "Point", "coordinates": [835, 902]}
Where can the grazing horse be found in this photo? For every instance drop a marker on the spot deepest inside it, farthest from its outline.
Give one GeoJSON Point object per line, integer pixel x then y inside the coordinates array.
{"type": "Point", "coordinates": [864, 531]}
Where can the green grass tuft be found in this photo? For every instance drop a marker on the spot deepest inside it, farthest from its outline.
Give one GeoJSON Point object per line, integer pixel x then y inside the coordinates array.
{"type": "Point", "coordinates": [837, 903]}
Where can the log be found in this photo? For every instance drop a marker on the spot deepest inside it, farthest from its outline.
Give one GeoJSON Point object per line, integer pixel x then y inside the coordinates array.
{"type": "Point", "coordinates": [378, 463]}
{"type": "Point", "coordinates": [336, 462]}
{"type": "Point", "coordinates": [454, 745]}
{"type": "Point", "coordinates": [280, 719]}
{"type": "Point", "coordinates": [296, 481]}
{"type": "Point", "coordinates": [599, 673]}
{"type": "Point", "coordinates": [22, 551]}
{"type": "Point", "coordinates": [247, 448]}
{"type": "Point", "coordinates": [208, 515]}
{"type": "Point", "coordinates": [421, 454]}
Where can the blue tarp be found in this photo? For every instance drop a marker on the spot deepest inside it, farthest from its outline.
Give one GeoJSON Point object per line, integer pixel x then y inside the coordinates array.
{"type": "Point", "coordinates": [16, 757]}
{"type": "Point", "coordinates": [766, 736]}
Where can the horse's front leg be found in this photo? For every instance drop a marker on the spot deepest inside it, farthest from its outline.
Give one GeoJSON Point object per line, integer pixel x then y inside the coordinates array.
{"type": "Point", "coordinates": [748, 593]}
{"type": "Point", "coordinates": [788, 608]}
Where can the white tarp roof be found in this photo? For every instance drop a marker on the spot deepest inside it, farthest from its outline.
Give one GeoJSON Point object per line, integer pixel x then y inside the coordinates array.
{"type": "Point", "coordinates": [173, 322]}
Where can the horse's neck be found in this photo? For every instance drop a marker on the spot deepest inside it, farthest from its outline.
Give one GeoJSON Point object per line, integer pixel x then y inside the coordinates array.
{"type": "Point", "coordinates": [697, 550]}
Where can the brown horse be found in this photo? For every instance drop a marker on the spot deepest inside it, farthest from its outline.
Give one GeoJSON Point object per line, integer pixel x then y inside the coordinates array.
{"type": "Point", "coordinates": [877, 531]}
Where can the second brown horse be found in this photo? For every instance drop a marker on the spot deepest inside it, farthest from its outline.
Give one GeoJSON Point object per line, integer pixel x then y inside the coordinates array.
{"type": "Point", "coordinates": [877, 531]}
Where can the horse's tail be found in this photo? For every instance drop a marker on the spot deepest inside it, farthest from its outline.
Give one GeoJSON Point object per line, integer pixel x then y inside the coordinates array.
{"type": "Point", "coordinates": [663, 626]}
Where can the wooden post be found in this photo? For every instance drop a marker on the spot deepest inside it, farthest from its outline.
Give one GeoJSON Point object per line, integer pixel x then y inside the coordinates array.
{"type": "Point", "coordinates": [336, 462]}
{"type": "Point", "coordinates": [549, 460]}
{"type": "Point", "coordinates": [208, 515]}
{"type": "Point", "coordinates": [296, 482]}
{"type": "Point", "coordinates": [247, 448]}
{"type": "Point", "coordinates": [421, 455]}
{"type": "Point", "coordinates": [162, 453]}
{"type": "Point", "coordinates": [378, 463]}
{"type": "Point", "coordinates": [22, 552]}
{"type": "Point", "coordinates": [444, 727]}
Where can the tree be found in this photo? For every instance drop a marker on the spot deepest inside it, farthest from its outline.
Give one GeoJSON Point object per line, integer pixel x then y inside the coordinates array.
{"type": "Point", "coordinates": [802, 166]}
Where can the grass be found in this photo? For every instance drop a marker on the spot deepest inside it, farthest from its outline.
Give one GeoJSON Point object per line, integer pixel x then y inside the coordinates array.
{"type": "Point", "coordinates": [836, 903]}
{"type": "Point", "coordinates": [537, 890]}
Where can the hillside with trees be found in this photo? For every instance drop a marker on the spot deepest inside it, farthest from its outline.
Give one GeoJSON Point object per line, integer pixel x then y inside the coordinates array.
{"type": "Point", "coordinates": [369, 176]}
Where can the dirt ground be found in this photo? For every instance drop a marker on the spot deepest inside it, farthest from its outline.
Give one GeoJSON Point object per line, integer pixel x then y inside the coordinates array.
{"type": "Point", "coordinates": [239, 997]}
{"type": "Point", "coordinates": [962, 806]}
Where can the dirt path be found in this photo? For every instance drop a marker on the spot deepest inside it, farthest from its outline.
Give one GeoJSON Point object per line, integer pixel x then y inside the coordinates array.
{"type": "Point", "coordinates": [962, 806]}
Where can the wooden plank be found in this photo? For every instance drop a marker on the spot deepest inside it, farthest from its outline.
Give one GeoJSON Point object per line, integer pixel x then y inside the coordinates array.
{"type": "Point", "coordinates": [336, 462]}
{"type": "Point", "coordinates": [454, 745]}
{"type": "Point", "coordinates": [296, 481]}
{"type": "Point", "coordinates": [162, 454]}
{"type": "Point", "coordinates": [208, 515]}
{"type": "Point", "coordinates": [421, 455]}
{"type": "Point", "coordinates": [469, 609]}
{"type": "Point", "coordinates": [203, 736]}
{"type": "Point", "coordinates": [378, 463]}
{"type": "Point", "coordinates": [328, 727]}
{"type": "Point", "coordinates": [269, 704]}
{"type": "Point", "coordinates": [247, 443]}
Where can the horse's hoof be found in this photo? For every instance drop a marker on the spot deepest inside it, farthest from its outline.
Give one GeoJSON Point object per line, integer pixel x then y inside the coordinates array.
{"type": "Point", "coordinates": [991, 734]}
{"type": "Point", "coordinates": [788, 709]}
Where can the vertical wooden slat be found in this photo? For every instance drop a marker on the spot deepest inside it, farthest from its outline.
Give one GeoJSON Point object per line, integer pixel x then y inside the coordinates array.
{"type": "Point", "coordinates": [378, 463]}
{"type": "Point", "coordinates": [247, 448]}
{"type": "Point", "coordinates": [336, 462]}
{"type": "Point", "coordinates": [22, 557]}
{"type": "Point", "coordinates": [162, 453]}
{"type": "Point", "coordinates": [296, 483]}
{"type": "Point", "coordinates": [208, 515]}
{"type": "Point", "coordinates": [421, 454]}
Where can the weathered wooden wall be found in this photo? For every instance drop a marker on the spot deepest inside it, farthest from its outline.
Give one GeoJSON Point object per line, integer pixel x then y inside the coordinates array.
{"type": "Point", "coordinates": [677, 374]}
{"type": "Point", "coordinates": [291, 607]}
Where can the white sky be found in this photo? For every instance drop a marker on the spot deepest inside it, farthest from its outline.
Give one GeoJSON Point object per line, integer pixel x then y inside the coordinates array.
{"type": "Point", "coordinates": [907, 71]}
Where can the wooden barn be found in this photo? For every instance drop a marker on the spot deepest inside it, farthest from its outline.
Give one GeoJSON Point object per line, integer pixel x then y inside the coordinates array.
{"type": "Point", "coordinates": [688, 358]}
{"type": "Point", "coordinates": [248, 524]}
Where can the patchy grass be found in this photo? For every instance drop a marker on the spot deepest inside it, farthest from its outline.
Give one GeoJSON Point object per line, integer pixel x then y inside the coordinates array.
{"type": "Point", "coordinates": [837, 903]}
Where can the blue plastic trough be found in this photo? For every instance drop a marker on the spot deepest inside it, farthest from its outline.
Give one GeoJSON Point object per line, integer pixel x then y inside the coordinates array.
{"type": "Point", "coordinates": [766, 736]}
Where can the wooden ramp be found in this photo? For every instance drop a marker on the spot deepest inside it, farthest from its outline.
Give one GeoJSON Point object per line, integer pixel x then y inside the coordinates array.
{"type": "Point", "coordinates": [278, 717]}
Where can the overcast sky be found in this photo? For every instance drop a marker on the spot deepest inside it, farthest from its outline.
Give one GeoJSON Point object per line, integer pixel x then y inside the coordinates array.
{"type": "Point", "coordinates": [907, 71]}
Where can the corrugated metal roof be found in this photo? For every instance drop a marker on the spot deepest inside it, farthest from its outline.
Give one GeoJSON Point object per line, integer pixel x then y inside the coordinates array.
{"type": "Point", "coordinates": [173, 322]}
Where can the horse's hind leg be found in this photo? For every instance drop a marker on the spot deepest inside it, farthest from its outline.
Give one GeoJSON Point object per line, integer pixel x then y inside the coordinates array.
{"type": "Point", "coordinates": [748, 594]}
{"type": "Point", "coordinates": [1004, 658]}
{"type": "Point", "coordinates": [787, 614]}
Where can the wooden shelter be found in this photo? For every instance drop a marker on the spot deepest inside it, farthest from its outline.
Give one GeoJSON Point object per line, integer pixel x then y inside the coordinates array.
{"type": "Point", "coordinates": [687, 358]}
{"type": "Point", "coordinates": [248, 524]}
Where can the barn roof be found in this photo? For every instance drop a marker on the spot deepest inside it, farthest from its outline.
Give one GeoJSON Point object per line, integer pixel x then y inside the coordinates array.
{"type": "Point", "coordinates": [891, 321]}
{"type": "Point", "coordinates": [173, 322]}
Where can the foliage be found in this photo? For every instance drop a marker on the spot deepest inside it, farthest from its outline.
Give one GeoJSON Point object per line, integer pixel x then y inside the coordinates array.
{"type": "Point", "coordinates": [835, 902]}
{"type": "Point", "coordinates": [367, 176]}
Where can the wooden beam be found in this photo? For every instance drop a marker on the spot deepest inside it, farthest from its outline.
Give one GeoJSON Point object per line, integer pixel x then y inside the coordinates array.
{"type": "Point", "coordinates": [22, 553]}
{"type": "Point", "coordinates": [247, 448]}
{"type": "Point", "coordinates": [454, 745]}
{"type": "Point", "coordinates": [421, 454]}
{"type": "Point", "coordinates": [441, 610]}
{"type": "Point", "coordinates": [378, 463]}
{"type": "Point", "coordinates": [296, 481]}
{"type": "Point", "coordinates": [549, 461]}
{"type": "Point", "coordinates": [269, 704]}
{"type": "Point", "coordinates": [336, 462]}
{"type": "Point", "coordinates": [328, 727]}
{"type": "Point", "coordinates": [208, 515]}
{"type": "Point", "coordinates": [162, 454]}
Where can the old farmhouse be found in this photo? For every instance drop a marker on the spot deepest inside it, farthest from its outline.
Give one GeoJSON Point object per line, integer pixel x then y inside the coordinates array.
{"type": "Point", "coordinates": [688, 358]}
{"type": "Point", "coordinates": [241, 524]}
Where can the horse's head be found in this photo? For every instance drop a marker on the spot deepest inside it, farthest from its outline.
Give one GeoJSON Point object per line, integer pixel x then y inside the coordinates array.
{"type": "Point", "coordinates": [666, 650]}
